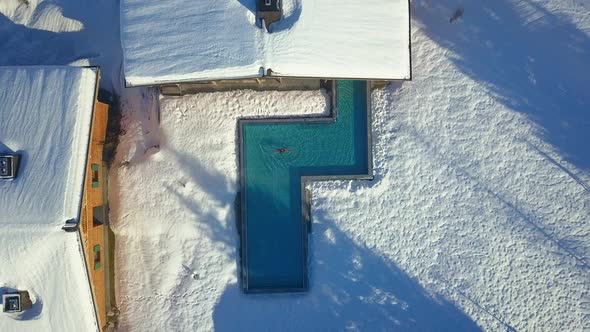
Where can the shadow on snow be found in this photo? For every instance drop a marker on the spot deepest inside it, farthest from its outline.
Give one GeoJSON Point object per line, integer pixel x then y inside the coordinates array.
{"type": "Point", "coordinates": [351, 286]}
{"type": "Point", "coordinates": [532, 60]}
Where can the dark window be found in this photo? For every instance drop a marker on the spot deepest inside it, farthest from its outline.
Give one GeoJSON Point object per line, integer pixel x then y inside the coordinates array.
{"type": "Point", "coordinates": [97, 257]}
{"type": "Point", "coordinates": [98, 215]}
{"type": "Point", "coordinates": [95, 169]}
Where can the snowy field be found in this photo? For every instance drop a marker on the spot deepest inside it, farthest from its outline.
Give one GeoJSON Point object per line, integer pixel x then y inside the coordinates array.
{"type": "Point", "coordinates": [478, 217]}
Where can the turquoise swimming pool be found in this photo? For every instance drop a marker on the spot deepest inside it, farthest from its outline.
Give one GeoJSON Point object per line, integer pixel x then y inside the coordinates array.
{"type": "Point", "coordinates": [277, 156]}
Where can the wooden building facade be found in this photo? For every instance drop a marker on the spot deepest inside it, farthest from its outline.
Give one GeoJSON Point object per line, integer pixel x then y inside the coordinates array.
{"type": "Point", "coordinates": [94, 223]}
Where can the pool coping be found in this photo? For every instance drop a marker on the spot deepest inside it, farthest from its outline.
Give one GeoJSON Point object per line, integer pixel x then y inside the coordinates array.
{"type": "Point", "coordinates": [330, 118]}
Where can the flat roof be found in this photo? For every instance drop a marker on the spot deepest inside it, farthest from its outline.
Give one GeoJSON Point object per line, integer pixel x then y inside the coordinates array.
{"type": "Point", "coordinates": [186, 40]}
{"type": "Point", "coordinates": [45, 116]}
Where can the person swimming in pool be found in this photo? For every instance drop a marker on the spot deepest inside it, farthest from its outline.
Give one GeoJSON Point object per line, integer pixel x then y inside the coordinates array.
{"type": "Point", "coordinates": [281, 150]}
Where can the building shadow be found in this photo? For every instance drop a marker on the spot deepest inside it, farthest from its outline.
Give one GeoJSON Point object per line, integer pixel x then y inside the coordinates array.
{"type": "Point", "coordinates": [532, 60]}
{"type": "Point", "coordinates": [352, 287]}
{"type": "Point", "coordinates": [85, 38]}
{"type": "Point", "coordinates": [22, 46]}
{"type": "Point", "coordinates": [291, 14]}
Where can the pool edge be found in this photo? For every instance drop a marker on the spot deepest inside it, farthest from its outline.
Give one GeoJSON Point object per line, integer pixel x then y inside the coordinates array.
{"type": "Point", "coordinates": [331, 117]}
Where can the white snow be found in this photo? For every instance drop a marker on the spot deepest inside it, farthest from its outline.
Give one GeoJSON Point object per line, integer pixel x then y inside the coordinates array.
{"type": "Point", "coordinates": [477, 217]}
{"type": "Point", "coordinates": [48, 263]}
{"type": "Point", "coordinates": [220, 40]}
{"type": "Point", "coordinates": [45, 117]}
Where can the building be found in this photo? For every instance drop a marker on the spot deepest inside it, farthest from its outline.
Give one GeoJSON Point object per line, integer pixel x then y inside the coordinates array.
{"type": "Point", "coordinates": [52, 208]}
{"type": "Point", "coordinates": [220, 40]}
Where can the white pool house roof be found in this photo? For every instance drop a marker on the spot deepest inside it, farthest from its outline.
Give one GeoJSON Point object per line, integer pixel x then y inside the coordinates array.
{"type": "Point", "coordinates": [45, 118]}
{"type": "Point", "coordinates": [187, 41]}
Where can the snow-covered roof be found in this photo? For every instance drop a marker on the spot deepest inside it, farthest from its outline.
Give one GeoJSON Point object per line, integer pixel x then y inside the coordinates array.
{"type": "Point", "coordinates": [187, 40]}
{"type": "Point", "coordinates": [45, 116]}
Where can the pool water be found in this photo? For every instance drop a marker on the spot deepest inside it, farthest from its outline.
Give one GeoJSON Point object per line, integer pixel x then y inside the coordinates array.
{"type": "Point", "coordinates": [275, 155]}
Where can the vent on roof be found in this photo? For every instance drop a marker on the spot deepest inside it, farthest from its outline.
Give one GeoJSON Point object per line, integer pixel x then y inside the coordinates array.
{"type": "Point", "coordinates": [16, 301]}
{"type": "Point", "coordinates": [71, 225]}
{"type": "Point", "coordinates": [9, 166]}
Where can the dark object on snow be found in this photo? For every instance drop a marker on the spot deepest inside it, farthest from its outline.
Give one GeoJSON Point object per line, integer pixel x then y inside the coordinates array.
{"type": "Point", "coordinates": [16, 301]}
{"type": "Point", "coordinates": [458, 13]}
{"type": "Point", "coordinates": [9, 166]}
{"type": "Point", "coordinates": [269, 11]}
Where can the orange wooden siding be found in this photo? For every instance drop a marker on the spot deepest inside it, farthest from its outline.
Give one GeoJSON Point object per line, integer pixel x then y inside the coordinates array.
{"type": "Point", "coordinates": [94, 235]}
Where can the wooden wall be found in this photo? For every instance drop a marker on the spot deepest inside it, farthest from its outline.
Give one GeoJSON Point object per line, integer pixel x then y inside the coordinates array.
{"type": "Point", "coordinates": [94, 234]}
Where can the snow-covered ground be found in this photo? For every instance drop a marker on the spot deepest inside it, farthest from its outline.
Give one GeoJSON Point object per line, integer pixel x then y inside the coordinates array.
{"type": "Point", "coordinates": [478, 216]}
{"type": "Point", "coordinates": [220, 39]}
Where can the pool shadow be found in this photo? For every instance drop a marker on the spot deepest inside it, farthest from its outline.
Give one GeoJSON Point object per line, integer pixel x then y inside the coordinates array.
{"type": "Point", "coordinates": [351, 288]}
{"type": "Point", "coordinates": [532, 60]}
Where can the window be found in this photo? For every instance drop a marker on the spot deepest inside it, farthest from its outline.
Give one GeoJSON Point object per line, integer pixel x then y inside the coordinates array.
{"type": "Point", "coordinates": [95, 169]}
{"type": "Point", "coordinates": [4, 166]}
{"type": "Point", "coordinates": [97, 257]}
{"type": "Point", "coordinates": [9, 166]}
{"type": "Point", "coordinates": [98, 215]}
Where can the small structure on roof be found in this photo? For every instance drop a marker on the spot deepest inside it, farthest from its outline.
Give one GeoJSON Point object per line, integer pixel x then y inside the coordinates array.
{"type": "Point", "coordinates": [269, 11]}
{"type": "Point", "coordinates": [15, 302]}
